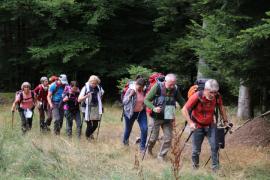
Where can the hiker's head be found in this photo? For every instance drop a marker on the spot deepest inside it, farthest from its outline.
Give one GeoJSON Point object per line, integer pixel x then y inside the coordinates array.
{"type": "Point", "coordinates": [53, 79]}
{"type": "Point", "coordinates": [170, 81]}
{"type": "Point", "coordinates": [44, 80]}
{"type": "Point", "coordinates": [63, 79]}
{"type": "Point", "coordinates": [74, 86]}
{"type": "Point", "coordinates": [94, 81]}
{"type": "Point", "coordinates": [140, 83]}
{"type": "Point", "coordinates": [211, 88]}
{"type": "Point", "coordinates": [26, 87]}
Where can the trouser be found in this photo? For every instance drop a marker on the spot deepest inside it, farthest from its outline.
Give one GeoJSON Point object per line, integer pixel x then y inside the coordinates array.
{"type": "Point", "coordinates": [197, 139]}
{"type": "Point", "coordinates": [167, 129]}
{"type": "Point", "coordinates": [26, 123]}
{"type": "Point", "coordinates": [69, 122]}
{"type": "Point", "coordinates": [58, 116]}
{"type": "Point", "coordinates": [142, 120]}
{"type": "Point", "coordinates": [44, 109]}
{"type": "Point", "coordinates": [91, 126]}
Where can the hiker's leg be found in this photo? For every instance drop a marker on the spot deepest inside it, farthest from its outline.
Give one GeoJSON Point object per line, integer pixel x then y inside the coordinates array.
{"type": "Point", "coordinates": [30, 120]}
{"type": "Point", "coordinates": [78, 123]}
{"type": "Point", "coordinates": [41, 117]}
{"type": "Point", "coordinates": [69, 122]}
{"type": "Point", "coordinates": [61, 113]}
{"type": "Point", "coordinates": [167, 138]}
{"type": "Point", "coordinates": [155, 134]}
{"type": "Point", "coordinates": [197, 139]}
{"type": "Point", "coordinates": [56, 117]}
{"type": "Point", "coordinates": [23, 121]}
{"type": "Point", "coordinates": [95, 125]}
{"type": "Point", "coordinates": [212, 139]}
{"type": "Point", "coordinates": [142, 120]}
{"type": "Point", "coordinates": [88, 128]}
{"type": "Point", "coordinates": [49, 116]}
{"type": "Point", "coordinates": [128, 127]}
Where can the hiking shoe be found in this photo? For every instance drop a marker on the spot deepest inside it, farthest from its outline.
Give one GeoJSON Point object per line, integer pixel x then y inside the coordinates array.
{"type": "Point", "coordinates": [161, 158]}
{"type": "Point", "coordinates": [195, 166]}
{"type": "Point", "coordinates": [138, 140]}
{"type": "Point", "coordinates": [150, 152]}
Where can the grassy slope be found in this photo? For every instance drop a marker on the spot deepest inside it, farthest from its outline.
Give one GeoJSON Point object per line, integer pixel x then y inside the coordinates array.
{"type": "Point", "coordinates": [40, 156]}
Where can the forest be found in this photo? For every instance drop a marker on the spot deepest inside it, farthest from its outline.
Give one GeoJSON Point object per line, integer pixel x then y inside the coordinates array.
{"type": "Point", "coordinates": [223, 39]}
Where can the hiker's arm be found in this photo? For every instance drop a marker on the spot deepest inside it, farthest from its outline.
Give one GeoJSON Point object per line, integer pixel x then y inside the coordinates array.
{"type": "Point", "coordinates": [16, 101]}
{"type": "Point", "coordinates": [181, 101]}
{"type": "Point", "coordinates": [82, 95]}
{"type": "Point", "coordinates": [187, 117]}
{"type": "Point", "coordinates": [150, 96]}
{"type": "Point", "coordinates": [223, 112]}
{"type": "Point", "coordinates": [187, 107]}
{"type": "Point", "coordinates": [65, 99]}
{"type": "Point", "coordinates": [49, 98]}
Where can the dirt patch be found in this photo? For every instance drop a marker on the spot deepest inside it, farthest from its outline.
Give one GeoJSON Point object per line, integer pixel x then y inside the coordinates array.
{"type": "Point", "coordinates": [254, 133]}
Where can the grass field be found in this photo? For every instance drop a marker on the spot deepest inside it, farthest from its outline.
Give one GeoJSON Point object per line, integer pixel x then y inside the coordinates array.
{"type": "Point", "coordinates": [45, 156]}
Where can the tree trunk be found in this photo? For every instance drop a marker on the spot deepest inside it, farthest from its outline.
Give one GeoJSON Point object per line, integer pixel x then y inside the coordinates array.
{"type": "Point", "coordinates": [244, 110]}
{"type": "Point", "coordinates": [202, 65]}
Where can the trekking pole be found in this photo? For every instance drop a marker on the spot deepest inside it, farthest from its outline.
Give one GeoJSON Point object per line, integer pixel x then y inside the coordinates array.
{"type": "Point", "coordinates": [227, 130]}
{"type": "Point", "coordinates": [12, 119]}
{"type": "Point", "coordinates": [186, 141]}
{"type": "Point", "coordinates": [99, 126]}
{"type": "Point", "coordinates": [147, 144]}
{"type": "Point", "coordinates": [183, 130]}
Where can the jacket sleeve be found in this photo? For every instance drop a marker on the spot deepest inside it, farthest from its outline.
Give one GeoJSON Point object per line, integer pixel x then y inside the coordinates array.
{"type": "Point", "coordinates": [150, 96]}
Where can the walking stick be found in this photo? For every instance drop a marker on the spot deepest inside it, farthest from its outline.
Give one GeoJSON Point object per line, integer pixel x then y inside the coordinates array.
{"type": "Point", "coordinates": [99, 126]}
{"type": "Point", "coordinates": [186, 141]}
{"type": "Point", "coordinates": [147, 144]}
{"type": "Point", "coordinates": [12, 119]}
{"type": "Point", "coordinates": [183, 130]}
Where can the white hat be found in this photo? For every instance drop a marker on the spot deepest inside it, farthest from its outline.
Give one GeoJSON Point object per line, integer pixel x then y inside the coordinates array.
{"type": "Point", "coordinates": [63, 79]}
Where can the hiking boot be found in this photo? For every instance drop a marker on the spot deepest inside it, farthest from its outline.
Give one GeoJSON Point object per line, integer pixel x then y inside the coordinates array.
{"type": "Point", "coordinates": [150, 152]}
{"type": "Point", "coordinates": [161, 158]}
{"type": "Point", "coordinates": [195, 166]}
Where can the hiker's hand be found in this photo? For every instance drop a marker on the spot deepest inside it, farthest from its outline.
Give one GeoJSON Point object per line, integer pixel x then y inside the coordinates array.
{"type": "Point", "coordinates": [13, 109]}
{"type": "Point", "coordinates": [51, 106]}
{"type": "Point", "coordinates": [132, 93]}
{"type": "Point", "coordinates": [65, 99]}
{"type": "Point", "coordinates": [226, 124]}
{"type": "Point", "coordinates": [192, 126]}
{"type": "Point", "coordinates": [157, 109]}
{"type": "Point", "coordinates": [88, 94]}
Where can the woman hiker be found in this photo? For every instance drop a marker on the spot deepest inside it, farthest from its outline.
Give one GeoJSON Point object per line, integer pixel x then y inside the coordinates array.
{"type": "Point", "coordinates": [91, 98]}
{"type": "Point", "coordinates": [134, 109]}
{"type": "Point", "coordinates": [25, 101]}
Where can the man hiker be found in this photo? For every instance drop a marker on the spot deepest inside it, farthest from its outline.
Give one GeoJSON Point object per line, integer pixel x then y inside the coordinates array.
{"type": "Point", "coordinates": [72, 109]}
{"type": "Point", "coordinates": [162, 101]}
{"type": "Point", "coordinates": [92, 109]}
{"type": "Point", "coordinates": [55, 100]}
{"type": "Point", "coordinates": [25, 101]}
{"type": "Point", "coordinates": [41, 92]}
{"type": "Point", "coordinates": [199, 113]}
{"type": "Point", "coordinates": [134, 109]}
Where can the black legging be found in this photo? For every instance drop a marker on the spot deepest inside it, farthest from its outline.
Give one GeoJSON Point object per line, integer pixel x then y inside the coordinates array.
{"type": "Point", "coordinates": [91, 127]}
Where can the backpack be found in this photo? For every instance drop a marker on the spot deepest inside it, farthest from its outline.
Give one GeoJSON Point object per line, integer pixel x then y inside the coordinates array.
{"type": "Point", "coordinates": [20, 93]}
{"type": "Point", "coordinates": [153, 79]}
{"type": "Point", "coordinates": [128, 85]}
{"type": "Point", "coordinates": [198, 86]}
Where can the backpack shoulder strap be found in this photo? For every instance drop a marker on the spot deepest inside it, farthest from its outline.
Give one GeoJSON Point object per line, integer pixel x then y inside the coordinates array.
{"type": "Point", "coordinates": [56, 88]}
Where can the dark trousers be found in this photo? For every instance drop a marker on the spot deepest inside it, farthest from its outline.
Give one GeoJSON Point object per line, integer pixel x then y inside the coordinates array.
{"type": "Point", "coordinates": [26, 123]}
{"type": "Point", "coordinates": [58, 116]}
{"type": "Point", "coordinates": [69, 122]}
{"type": "Point", "coordinates": [42, 111]}
{"type": "Point", "coordinates": [91, 127]}
{"type": "Point", "coordinates": [142, 120]}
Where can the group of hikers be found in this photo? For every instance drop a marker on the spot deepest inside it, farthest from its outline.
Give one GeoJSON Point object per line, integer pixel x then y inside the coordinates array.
{"type": "Point", "coordinates": [152, 101]}
{"type": "Point", "coordinates": [59, 99]}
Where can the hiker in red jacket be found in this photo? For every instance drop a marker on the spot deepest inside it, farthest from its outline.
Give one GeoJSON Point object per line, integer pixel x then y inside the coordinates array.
{"type": "Point", "coordinates": [199, 113]}
{"type": "Point", "coordinates": [41, 92]}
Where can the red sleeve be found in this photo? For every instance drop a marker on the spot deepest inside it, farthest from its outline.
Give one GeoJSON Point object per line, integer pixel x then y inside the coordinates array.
{"type": "Point", "coordinates": [36, 90]}
{"type": "Point", "coordinates": [192, 101]}
{"type": "Point", "coordinates": [219, 101]}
